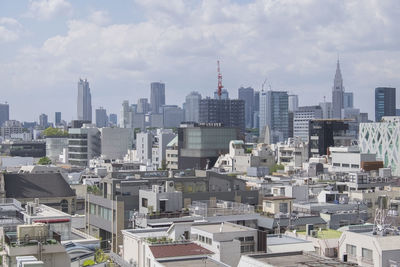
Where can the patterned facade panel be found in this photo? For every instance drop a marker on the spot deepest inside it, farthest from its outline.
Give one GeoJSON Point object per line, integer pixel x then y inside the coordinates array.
{"type": "Point", "coordinates": [382, 138]}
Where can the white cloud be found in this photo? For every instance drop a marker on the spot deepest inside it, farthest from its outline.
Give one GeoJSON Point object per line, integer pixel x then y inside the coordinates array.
{"type": "Point", "coordinates": [293, 43]}
{"type": "Point", "coordinates": [10, 29]}
{"type": "Point", "coordinates": [100, 17]}
{"type": "Point", "coordinates": [48, 9]}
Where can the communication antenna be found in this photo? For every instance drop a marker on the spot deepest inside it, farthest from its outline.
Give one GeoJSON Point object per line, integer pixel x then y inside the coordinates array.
{"type": "Point", "coordinates": [220, 86]}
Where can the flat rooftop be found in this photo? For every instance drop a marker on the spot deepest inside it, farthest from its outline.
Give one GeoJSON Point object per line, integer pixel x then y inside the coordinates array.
{"type": "Point", "coordinates": [47, 212]}
{"type": "Point", "coordinates": [192, 262]}
{"type": "Point", "coordinates": [283, 239]}
{"type": "Point", "coordinates": [296, 259]}
{"type": "Point", "coordinates": [226, 228]}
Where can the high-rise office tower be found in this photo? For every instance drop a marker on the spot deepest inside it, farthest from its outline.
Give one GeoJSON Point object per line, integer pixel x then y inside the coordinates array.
{"type": "Point", "coordinates": [192, 107]}
{"type": "Point", "coordinates": [101, 118]}
{"type": "Point", "coordinates": [385, 102]}
{"type": "Point", "coordinates": [126, 115]}
{"type": "Point", "coordinates": [143, 106]}
{"type": "Point", "coordinates": [326, 110]}
{"type": "Point", "coordinates": [256, 118]}
{"type": "Point", "coordinates": [84, 101]}
{"type": "Point", "coordinates": [247, 95]}
{"type": "Point", "coordinates": [43, 121]}
{"type": "Point", "coordinates": [348, 100]}
{"type": "Point", "coordinates": [224, 94]}
{"type": "Point", "coordinates": [337, 94]}
{"type": "Point", "coordinates": [57, 118]}
{"type": "Point", "coordinates": [230, 112]}
{"type": "Point", "coordinates": [113, 119]}
{"type": "Point", "coordinates": [274, 113]}
{"type": "Point", "coordinates": [157, 96]}
{"type": "Point", "coordinates": [301, 119]}
{"type": "Point", "coordinates": [4, 113]}
{"type": "Point", "coordinates": [293, 103]}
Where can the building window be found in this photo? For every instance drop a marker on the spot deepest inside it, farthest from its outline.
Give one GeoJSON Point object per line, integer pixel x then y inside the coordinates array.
{"type": "Point", "coordinates": [366, 254]}
{"type": "Point", "coordinates": [92, 209]}
{"type": "Point", "coordinates": [355, 166]}
{"type": "Point", "coordinates": [144, 202]}
{"type": "Point", "coordinates": [267, 204]}
{"type": "Point", "coordinates": [351, 250]}
{"type": "Point", "coordinates": [283, 207]}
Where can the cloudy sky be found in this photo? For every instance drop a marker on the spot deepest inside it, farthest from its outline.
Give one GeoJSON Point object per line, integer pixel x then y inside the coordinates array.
{"type": "Point", "coordinates": [123, 45]}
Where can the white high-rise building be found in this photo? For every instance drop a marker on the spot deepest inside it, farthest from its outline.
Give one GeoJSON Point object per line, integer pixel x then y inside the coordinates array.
{"type": "Point", "coordinates": [84, 101]}
{"type": "Point", "coordinates": [337, 94]}
{"type": "Point", "coordinates": [192, 107]}
{"type": "Point", "coordinates": [326, 110]}
{"type": "Point", "coordinates": [301, 120]}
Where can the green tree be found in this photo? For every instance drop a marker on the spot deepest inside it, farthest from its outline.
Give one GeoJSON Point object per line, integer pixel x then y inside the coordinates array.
{"type": "Point", "coordinates": [276, 167]}
{"type": "Point", "coordinates": [44, 161]}
{"type": "Point", "coordinates": [100, 256]}
{"type": "Point", "coordinates": [88, 263]}
{"type": "Point", "coordinates": [52, 132]}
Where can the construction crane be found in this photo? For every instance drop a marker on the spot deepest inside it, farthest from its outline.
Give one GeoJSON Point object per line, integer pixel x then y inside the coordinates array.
{"type": "Point", "coordinates": [220, 86]}
{"type": "Point", "coordinates": [263, 84]}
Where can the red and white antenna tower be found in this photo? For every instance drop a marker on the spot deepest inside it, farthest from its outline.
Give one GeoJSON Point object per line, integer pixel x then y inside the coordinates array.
{"type": "Point", "coordinates": [220, 86]}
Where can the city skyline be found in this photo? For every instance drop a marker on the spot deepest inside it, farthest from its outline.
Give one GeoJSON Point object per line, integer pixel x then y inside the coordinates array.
{"type": "Point", "coordinates": [42, 55]}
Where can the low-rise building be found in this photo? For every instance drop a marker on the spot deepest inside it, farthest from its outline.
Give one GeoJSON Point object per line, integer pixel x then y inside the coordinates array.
{"type": "Point", "coordinates": [239, 160]}
{"type": "Point", "coordinates": [367, 249]}
{"type": "Point", "coordinates": [292, 153]}
{"type": "Point", "coordinates": [227, 241]}
{"type": "Point", "coordinates": [278, 205]}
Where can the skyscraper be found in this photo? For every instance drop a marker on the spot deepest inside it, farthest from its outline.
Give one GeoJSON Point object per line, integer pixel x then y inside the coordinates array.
{"type": "Point", "coordinates": [192, 107]}
{"type": "Point", "coordinates": [84, 101]}
{"type": "Point", "coordinates": [224, 94]}
{"type": "Point", "coordinates": [57, 118]}
{"type": "Point", "coordinates": [43, 121]}
{"type": "Point", "coordinates": [4, 113]}
{"type": "Point", "coordinates": [337, 94]}
{"type": "Point", "coordinates": [230, 112]}
{"type": "Point", "coordinates": [101, 118]}
{"type": "Point", "coordinates": [302, 117]}
{"type": "Point", "coordinates": [256, 114]}
{"type": "Point", "coordinates": [157, 96]}
{"type": "Point", "coordinates": [293, 102]}
{"type": "Point", "coordinates": [274, 113]}
{"type": "Point", "coordinates": [247, 95]}
{"type": "Point", "coordinates": [113, 119]}
{"type": "Point", "coordinates": [143, 106]}
{"type": "Point", "coordinates": [348, 100]}
{"type": "Point", "coordinates": [385, 102]}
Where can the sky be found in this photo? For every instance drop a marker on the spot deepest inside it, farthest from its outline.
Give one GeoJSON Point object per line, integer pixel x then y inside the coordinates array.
{"type": "Point", "coordinates": [121, 46]}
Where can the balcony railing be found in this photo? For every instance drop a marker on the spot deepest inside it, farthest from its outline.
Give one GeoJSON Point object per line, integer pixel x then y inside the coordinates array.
{"type": "Point", "coordinates": [51, 239]}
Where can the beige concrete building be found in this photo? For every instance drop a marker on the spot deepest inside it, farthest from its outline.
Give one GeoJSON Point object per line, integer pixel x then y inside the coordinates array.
{"type": "Point", "coordinates": [278, 204]}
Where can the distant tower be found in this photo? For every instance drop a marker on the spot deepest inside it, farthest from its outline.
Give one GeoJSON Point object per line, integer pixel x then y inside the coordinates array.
{"type": "Point", "coordinates": [337, 94]}
{"type": "Point", "coordinates": [84, 101]}
{"type": "Point", "coordinates": [157, 96]}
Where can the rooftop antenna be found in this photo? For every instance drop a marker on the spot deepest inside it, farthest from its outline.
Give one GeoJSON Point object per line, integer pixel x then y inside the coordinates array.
{"type": "Point", "coordinates": [262, 86]}
{"type": "Point", "coordinates": [220, 86]}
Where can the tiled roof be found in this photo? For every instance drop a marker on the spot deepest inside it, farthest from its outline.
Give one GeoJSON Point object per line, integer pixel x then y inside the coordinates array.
{"type": "Point", "coordinates": [178, 250]}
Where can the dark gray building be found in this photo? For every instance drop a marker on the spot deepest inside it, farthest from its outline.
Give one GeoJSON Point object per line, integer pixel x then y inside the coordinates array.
{"type": "Point", "coordinates": [101, 117]}
{"type": "Point", "coordinates": [199, 146]}
{"type": "Point", "coordinates": [247, 95]}
{"type": "Point", "coordinates": [43, 121]}
{"type": "Point", "coordinates": [84, 103]}
{"type": "Point", "coordinates": [57, 118]}
{"type": "Point", "coordinates": [228, 112]}
{"type": "Point", "coordinates": [157, 96]}
{"type": "Point", "coordinates": [4, 113]}
{"type": "Point", "coordinates": [385, 102]}
{"type": "Point", "coordinates": [326, 133]}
